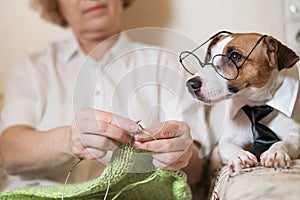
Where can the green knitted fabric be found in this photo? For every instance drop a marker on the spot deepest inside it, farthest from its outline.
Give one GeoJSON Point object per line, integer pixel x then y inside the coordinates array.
{"type": "Point", "coordinates": [130, 175]}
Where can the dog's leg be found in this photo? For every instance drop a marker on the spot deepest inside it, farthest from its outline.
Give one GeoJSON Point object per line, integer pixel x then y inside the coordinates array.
{"type": "Point", "coordinates": [281, 153]}
{"type": "Point", "coordinates": [236, 157]}
{"type": "Point", "coordinates": [276, 156]}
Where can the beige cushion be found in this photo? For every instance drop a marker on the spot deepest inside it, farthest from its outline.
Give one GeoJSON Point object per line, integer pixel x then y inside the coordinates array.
{"type": "Point", "coordinates": [3, 175]}
{"type": "Point", "coordinates": [258, 183]}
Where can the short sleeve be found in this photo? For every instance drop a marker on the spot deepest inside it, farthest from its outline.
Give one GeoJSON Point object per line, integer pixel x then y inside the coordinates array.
{"type": "Point", "coordinates": [20, 95]}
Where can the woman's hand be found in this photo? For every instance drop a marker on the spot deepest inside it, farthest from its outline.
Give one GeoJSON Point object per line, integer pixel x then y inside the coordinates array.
{"type": "Point", "coordinates": [173, 146]}
{"type": "Point", "coordinates": [94, 132]}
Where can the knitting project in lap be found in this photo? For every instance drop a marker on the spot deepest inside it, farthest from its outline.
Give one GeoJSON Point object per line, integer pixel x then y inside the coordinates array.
{"type": "Point", "coordinates": [130, 175]}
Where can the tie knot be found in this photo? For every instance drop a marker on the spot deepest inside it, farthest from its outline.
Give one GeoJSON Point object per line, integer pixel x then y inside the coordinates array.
{"type": "Point", "coordinates": [256, 113]}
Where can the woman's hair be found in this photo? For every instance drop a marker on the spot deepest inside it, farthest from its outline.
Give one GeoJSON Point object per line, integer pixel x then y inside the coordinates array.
{"type": "Point", "coordinates": [49, 10]}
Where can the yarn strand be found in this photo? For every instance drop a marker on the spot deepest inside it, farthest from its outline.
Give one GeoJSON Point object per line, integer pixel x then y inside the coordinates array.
{"type": "Point", "coordinates": [68, 176]}
{"type": "Point", "coordinates": [130, 186]}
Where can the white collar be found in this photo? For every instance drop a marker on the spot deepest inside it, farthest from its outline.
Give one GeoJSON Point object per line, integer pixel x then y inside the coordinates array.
{"type": "Point", "coordinates": [72, 48]}
{"type": "Point", "coordinates": [122, 46]}
{"type": "Point", "coordinates": [283, 100]}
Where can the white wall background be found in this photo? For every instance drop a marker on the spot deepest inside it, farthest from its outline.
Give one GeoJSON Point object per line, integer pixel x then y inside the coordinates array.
{"type": "Point", "coordinates": [22, 31]}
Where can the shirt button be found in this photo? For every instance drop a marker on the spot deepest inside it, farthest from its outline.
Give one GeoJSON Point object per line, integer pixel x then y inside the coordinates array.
{"type": "Point", "coordinates": [97, 93]}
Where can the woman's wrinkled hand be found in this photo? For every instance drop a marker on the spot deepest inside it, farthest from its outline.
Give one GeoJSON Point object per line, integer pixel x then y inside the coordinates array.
{"type": "Point", "coordinates": [172, 148]}
{"type": "Point", "coordinates": [94, 132]}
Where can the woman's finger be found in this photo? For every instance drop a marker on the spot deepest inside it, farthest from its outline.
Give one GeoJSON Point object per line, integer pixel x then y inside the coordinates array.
{"type": "Point", "coordinates": [103, 129]}
{"type": "Point", "coordinates": [98, 142]}
{"type": "Point", "coordinates": [175, 162]}
{"type": "Point", "coordinates": [91, 153]}
{"type": "Point", "coordinates": [164, 145]}
{"type": "Point", "coordinates": [170, 129]}
{"type": "Point", "coordinates": [107, 117]}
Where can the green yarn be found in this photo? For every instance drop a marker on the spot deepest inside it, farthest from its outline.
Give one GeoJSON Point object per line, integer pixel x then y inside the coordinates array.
{"type": "Point", "coordinates": [130, 175]}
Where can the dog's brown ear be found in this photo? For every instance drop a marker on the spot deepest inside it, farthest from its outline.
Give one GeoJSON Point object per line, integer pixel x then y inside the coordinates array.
{"type": "Point", "coordinates": [279, 54]}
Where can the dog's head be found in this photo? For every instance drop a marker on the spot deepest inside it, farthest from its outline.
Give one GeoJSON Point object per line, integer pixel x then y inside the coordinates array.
{"type": "Point", "coordinates": [234, 62]}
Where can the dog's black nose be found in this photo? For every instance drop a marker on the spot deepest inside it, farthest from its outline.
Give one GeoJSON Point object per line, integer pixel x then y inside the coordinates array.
{"type": "Point", "coordinates": [194, 84]}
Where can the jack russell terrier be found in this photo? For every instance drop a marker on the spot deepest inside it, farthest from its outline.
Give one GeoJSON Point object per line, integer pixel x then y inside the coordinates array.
{"type": "Point", "coordinates": [254, 77]}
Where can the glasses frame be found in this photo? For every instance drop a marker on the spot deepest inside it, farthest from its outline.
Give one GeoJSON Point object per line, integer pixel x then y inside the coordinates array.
{"type": "Point", "coordinates": [202, 64]}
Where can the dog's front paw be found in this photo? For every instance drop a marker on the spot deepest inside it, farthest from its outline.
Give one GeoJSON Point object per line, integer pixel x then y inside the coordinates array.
{"type": "Point", "coordinates": [244, 159]}
{"type": "Point", "coordinates": [275, 158]}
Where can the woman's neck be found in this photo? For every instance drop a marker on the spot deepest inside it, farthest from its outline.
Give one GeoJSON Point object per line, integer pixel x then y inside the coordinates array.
{"type": "Point", "coordinates": [96, 46]}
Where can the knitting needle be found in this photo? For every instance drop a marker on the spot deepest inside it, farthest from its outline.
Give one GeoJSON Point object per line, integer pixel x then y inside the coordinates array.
{"type": "Point", "coordinates": [143, 130]}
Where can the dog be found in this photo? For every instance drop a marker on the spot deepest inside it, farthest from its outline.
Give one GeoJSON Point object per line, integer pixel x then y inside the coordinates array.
{"type": "Point", "coordinates": [249, 69]}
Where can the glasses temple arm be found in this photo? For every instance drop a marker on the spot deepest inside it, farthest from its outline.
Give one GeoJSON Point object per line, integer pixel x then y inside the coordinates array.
{"type": "Point", "coordinates": [260, 39]}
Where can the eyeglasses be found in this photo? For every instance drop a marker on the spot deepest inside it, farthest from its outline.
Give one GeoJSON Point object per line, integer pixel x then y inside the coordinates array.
{"type": "Point", "coordinates": [227, 66]}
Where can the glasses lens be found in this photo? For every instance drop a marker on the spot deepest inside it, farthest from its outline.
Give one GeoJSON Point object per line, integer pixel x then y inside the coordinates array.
{"type": "Point", "coordinates": [225, 67]}
{"type": "Point", "coordinates": [190, 62]}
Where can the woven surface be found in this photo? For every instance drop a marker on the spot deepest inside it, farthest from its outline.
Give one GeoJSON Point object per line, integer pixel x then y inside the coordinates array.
{"type": "Point", "coordinates": [258, 183]}
{"type": "Point", "coordinates": [127, 177]}
{"type": "Point", "coordinates": [3, 174]}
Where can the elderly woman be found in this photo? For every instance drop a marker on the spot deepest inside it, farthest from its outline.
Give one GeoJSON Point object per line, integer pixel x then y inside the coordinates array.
{"type": "Point", "coordinates": [61, 106]}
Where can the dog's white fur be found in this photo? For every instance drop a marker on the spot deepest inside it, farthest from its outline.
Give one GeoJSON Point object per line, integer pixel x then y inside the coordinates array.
{"type": "Point", "coordinates": [234, 138]}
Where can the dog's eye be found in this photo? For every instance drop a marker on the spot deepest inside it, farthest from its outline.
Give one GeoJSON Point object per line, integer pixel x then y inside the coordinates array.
{"type": "Point", "coordinates": [235, 56]}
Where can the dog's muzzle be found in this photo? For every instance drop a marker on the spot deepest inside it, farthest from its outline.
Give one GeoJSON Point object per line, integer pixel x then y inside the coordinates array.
{"type": "Point", "coordinates": [194, 85]}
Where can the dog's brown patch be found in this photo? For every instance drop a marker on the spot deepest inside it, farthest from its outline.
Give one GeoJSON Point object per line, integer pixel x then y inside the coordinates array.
{"type": "Point", "coordinates": [256, 70]}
